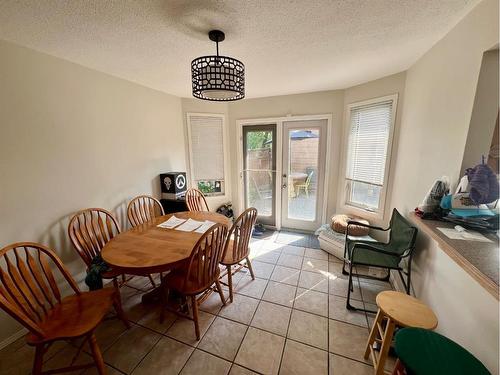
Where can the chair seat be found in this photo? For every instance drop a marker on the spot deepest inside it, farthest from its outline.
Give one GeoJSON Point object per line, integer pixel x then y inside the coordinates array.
{"type": "Point", "coordinates": [176, 280]}
{"type": "Point", "coordinates": [75, 316]}
{"type": "Point", "coordinates": [372, 258]}
{"type": "Point", "coordinates": [228, 259]}
{"type": "Point", "coordinates": [425, 352]}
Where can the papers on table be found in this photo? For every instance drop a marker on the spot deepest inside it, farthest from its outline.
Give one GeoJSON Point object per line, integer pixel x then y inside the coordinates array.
{"type": "Point", "coordinates": [171, 222]}
{"type": "Point", "coordinates": [189, 225]}
{"type": "Point", "coordinates": [464, 235]}
{"type": "Point", "coordinates": [205, 226]}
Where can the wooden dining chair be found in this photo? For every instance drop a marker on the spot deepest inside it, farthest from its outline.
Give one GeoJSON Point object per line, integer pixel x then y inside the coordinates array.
{"type": "Point", "coordinates": [195, 200]}
{"type": "Point", "coordinates": [236, 249]}
{"type": "Point", "coordinates": [142, 209]}
{"type": "Point", "coordinates": [89, 230]}
{"type": "Point", "coordinates": [29, 293]}
{"type": "Point", "coordinates": [198, 275]}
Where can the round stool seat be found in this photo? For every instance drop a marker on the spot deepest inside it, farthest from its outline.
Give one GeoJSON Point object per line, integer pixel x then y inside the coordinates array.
{"type": "Point", "coordinates": [405, 310]}
{"type": "Point", "coordinates": [425, 352]}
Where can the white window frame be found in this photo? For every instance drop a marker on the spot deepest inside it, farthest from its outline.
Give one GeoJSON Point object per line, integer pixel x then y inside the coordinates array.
{"type": "Point", "coordinates": [225, 146]}
{"type": "Point", "coordinates": [344, 204]}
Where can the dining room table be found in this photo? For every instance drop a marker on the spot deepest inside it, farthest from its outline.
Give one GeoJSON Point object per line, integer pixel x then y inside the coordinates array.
{"type": "Point", "coordinates": [148, 248]}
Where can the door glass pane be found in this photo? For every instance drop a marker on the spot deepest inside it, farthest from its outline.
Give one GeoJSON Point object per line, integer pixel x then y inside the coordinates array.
{"type": "Point", "coordinates": [259, 160]}
{"type": "Point", "coordinates": [303, 173]}
{"type": "Point", "coordinates": [260, 192]}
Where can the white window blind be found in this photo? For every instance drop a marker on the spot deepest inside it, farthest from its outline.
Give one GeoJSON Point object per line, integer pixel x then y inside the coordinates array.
{"type": "Point", "coordinates": [207, 148]}
{"type": "Point", "coordinates": [368, 142]}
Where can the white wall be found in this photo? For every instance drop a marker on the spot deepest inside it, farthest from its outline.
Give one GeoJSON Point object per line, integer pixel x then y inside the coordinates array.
{"type": "Point", "coordinates": [73, 138]}
{"type": "Point", "coordinates": [439, 96]}
{"type": "Point", "coordinates": [467, 313]}
{"type": "Point", "coordinates": [325, 102]}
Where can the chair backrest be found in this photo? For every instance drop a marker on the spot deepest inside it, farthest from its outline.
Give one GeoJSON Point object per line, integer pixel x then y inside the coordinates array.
{"type": "Point", "coordinates": [241, 231]}
{"type": "Point", "coordinates": [142, 209]}
{"type": "Point", "coordinates": [203, 266]}
{"type": "Point", "coordinates": [309, 178]}
{"type": "Point", "coordinates": [28, 288]}
{"type": "Point", "coordinates": [195, 200]}
{"type": "Point", "coordinates": [403, 235]}
{"type": "Point", "coordinates": [90, 229]}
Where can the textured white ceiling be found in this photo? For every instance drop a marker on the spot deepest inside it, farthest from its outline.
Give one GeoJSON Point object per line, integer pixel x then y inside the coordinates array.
{"type": "Point", "coordinates": [287, 46]}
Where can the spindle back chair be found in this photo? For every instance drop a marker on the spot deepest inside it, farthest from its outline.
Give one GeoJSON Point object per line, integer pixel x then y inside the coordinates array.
{"type": "Point", "coordinates": [236, 249]}
{"type": "Point", "coordinates": [200, 273]}
{"type": "Point", "coordinates": [29, 293]}
{"type": "Point", "coordinates": [142, 209]}
{"type": "Point", "coordinates": [195, 200]}
{"type": "Point", "coordinates": [90, 229]}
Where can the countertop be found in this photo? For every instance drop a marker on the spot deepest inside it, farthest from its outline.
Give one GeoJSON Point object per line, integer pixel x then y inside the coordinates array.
{"type": "Point", "coordinates": [479, 259]}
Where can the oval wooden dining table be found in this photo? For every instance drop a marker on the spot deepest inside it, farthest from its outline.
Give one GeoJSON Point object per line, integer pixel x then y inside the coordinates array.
{"type": "Point", "coordinates": [147, 248]}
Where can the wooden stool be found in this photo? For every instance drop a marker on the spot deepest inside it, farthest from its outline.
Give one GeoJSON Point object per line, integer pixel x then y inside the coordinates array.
{"type": "Point", "coordinates": [395, 309]}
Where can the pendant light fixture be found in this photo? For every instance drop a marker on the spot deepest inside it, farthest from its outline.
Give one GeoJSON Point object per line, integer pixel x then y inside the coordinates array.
{"type": "Point", "coordinates": [218, 78]}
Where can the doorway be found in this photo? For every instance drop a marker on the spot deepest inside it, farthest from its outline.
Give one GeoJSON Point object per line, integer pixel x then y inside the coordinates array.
{"type": "Point", "coordinates": [283, 164]}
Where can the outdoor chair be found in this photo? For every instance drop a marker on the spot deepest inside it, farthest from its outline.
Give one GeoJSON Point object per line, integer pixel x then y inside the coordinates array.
{"type": "Point", "coordinates": [383, 255]}
{"type": "Point", "coordinates": [305, 186]}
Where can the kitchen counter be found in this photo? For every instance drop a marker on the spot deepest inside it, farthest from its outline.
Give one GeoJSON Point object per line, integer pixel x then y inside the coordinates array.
{"type": "Point", "coordinates": [478, 259]}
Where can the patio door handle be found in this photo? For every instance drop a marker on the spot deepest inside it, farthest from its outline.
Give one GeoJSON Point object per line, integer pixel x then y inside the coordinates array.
{"type": "Point", "coordinates": [283, 186]}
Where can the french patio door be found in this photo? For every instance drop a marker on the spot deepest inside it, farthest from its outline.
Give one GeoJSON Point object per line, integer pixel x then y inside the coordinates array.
{"type": "Point", "coordinates": [303, 174]}
{"type": "Point", "coordinates": [284, 172]}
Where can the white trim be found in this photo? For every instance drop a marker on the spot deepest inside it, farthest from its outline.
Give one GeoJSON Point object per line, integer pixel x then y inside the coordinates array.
{"type": "Point", "coordinates": [12, 338]}
{"type": "Point", "coordinates": [279, 157]}
{"type": "Point", "coordinates": [225, 146]}
{"type": "Point", "coordinates": [382, 211]}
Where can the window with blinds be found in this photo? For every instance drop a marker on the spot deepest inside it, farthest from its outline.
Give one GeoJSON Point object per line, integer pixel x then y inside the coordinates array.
{"type": "Point", "coordinates": [206, 146]}
{"type": "Point", "coordinates": [367, 154]}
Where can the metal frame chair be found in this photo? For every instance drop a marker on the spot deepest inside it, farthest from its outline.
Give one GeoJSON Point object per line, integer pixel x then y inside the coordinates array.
{"type": "Point", "coordinates": [387, 256]}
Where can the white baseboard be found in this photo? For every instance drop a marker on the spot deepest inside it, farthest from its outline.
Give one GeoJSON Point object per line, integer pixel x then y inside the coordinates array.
{"type": "Point", "coordinates": [14, 337]}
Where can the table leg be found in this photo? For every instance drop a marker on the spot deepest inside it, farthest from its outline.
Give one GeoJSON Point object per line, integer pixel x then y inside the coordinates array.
{"type": "Point", "coordinates": [153, 296]}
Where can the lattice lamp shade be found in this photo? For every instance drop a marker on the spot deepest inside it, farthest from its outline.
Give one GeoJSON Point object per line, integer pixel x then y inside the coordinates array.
{"type": "Point", "coordinates": [218, 78]}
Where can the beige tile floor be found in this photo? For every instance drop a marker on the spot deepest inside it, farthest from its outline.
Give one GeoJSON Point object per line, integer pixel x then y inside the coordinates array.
{"type": "Point", "coordinates": [290, 320]}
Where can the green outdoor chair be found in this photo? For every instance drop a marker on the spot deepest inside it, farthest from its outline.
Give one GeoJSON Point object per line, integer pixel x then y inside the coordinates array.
{"type": "Point", "coordinates": [379, 254]}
